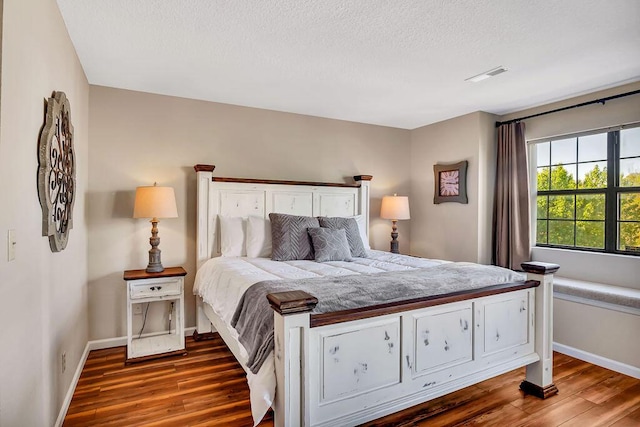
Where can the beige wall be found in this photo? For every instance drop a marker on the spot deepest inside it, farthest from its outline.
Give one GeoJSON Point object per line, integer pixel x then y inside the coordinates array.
{"type": "Point", "coordinates": [138, 138]}
{"type": "Point", "coordinates": [453, 231]}
{"type": "Point", "coordinates": [44, 294]}
{"type": "Point", "coordinates": [606, 333]}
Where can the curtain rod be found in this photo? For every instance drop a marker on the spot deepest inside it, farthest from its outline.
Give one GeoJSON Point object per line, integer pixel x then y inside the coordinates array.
{"type": "Point", "coordinates": [583, 104]}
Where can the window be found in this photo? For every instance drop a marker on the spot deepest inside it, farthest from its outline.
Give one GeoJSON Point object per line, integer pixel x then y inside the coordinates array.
{"type": "Point", "coordinates": [588, 192]}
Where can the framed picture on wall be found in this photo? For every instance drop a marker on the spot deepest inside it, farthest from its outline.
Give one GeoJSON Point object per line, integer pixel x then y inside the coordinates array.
{"type": "Point", "coordinates": [450, 183]}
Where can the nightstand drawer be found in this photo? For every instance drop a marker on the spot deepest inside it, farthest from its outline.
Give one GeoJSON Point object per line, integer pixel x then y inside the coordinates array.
{"type": "Point", "coordinates": [157, 288]}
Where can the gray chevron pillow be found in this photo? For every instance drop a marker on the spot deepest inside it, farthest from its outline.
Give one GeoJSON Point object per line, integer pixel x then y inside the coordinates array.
{"type": "Point", "coordinates": [289, 236]}
{"type": "Point", "coordinates": [350, 226]}
{"type": "Point", "coordinates": [330, 245]}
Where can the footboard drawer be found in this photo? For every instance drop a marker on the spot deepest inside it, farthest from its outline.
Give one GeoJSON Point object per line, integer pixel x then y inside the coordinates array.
{"type": "Point", "coordinates": [356, 361]}
{"type": "Point", "coordinates": [505, 323]}
{"type": "Point", "coordinates": [443, 338]}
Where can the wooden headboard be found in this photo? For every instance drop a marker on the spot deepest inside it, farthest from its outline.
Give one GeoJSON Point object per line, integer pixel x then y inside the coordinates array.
{"type": "Point", "coordinates": [239, 197]}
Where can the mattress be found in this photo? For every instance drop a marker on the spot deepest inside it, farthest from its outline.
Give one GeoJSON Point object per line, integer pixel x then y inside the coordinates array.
{"type": "Point", "coordinates": [222, 281]}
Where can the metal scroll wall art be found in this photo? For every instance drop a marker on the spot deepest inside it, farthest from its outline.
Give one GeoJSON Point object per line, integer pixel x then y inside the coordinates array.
{"type": "Point", "coordinates": [57, 172]}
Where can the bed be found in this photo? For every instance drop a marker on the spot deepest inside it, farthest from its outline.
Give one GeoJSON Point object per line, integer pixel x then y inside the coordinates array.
{"type": "Point", "coordinates": [338, 365]}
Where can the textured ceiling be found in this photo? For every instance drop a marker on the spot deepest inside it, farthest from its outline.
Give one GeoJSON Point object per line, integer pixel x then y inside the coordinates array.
{"type": "Point", "coordinates": [400, 63]}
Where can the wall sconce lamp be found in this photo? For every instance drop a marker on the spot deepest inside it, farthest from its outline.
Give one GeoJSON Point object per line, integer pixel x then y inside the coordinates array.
{"type": "Point", "coordinates": [155, 202]}
{"type": "Point", "coordinates": [395, 208]}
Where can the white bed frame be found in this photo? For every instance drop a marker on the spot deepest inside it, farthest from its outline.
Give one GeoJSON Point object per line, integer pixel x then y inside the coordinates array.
{"type": "Point", "coordinates": [343, 369]}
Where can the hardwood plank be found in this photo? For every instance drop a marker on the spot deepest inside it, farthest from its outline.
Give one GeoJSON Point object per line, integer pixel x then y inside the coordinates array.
{"type": "Point", "coordinates": [585, 378]}
{"type": "Point", "coordinates": [531, 404]}
{"type": "Point", "coordinates": [611, 410]}
{"type": "Point", "coordinates": [208, 388]}
{"type": "Point", "coordinates": [504, 415]}
{"type": "Point", "coordinates": [514, 377]}
{"type": "Point", "coordinates": [429, 409]}
{"type": "Point", "coordinates": [608, 388]}
{"type": "Point", "coordinates": [635, 415]}
{"type": "Point", "coordinates": [626, 422]}
{"type": "Point", "coordinates": [558, 413]}
{"type": "Point", "coordinates": [486, 402]}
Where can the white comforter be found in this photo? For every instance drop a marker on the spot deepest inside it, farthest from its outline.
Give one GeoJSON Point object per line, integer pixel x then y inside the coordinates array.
{"type": "Point", "coordinates": [222, 281]}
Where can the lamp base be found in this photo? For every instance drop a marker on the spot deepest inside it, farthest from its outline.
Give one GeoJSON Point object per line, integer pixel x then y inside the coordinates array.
{"type": "Point", "coordinates": [394, 237]}
{"type": "Point", "coordinates": [155, 264]}
{"type": "Point", "coordinates": [154, 268]}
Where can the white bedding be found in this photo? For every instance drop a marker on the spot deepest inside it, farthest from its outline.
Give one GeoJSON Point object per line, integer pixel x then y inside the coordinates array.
{"type": "Point", "coordinates": [222, 281]}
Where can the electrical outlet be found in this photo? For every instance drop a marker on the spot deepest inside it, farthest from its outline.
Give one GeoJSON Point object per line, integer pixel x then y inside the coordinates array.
{"type": "Point", "coordinates": [137, 309]}
{"type": "Point", "coordinates": [64, 362]}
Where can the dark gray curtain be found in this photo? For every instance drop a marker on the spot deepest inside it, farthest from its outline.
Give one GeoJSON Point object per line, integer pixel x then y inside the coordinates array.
{"type": "Point", "coordinates": [511, 236]}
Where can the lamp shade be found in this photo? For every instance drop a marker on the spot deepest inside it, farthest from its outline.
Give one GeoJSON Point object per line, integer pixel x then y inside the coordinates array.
{"type": "Point", "coordinates": [395, 207]}
{"type": "Point", "coordinates": [155, 202]}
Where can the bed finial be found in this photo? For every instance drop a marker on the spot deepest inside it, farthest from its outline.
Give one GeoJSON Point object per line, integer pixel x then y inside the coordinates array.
{"type": "Point", "coordinates": [204, 168]}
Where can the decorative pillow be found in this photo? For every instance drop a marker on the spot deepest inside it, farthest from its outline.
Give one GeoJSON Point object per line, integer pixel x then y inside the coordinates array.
{"type": "Point", "coordinates": [350, 226]}
{"type": "Point", "coordinates": [232, 236]}
{"type": "Point", "coordinates": [330, 245]}
{"type": "Point", "coordinates": [258, 237]}
{"type": "Point", "coordinates": [289, 236]}
{"type": "Point", "coordinates": [362, 228]}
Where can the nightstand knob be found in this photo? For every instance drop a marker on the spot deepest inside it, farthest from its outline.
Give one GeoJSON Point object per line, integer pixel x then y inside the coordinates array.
{"type": "Point", "coordinates": [159, 287]}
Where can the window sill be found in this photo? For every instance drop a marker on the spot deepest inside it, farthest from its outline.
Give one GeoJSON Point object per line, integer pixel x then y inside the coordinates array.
{"type": "Point", "coordinates": [618, 298]}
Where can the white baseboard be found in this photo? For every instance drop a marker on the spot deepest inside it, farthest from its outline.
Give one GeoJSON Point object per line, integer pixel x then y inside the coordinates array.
{"type": "Point", "coordinates": [72, 387]}
{"type": "Point", "coordinates": [120, 341]}
{"type": "Point", "coordinates": [93, 345]}
{"type": "Point", "coordinates": [614, 365]}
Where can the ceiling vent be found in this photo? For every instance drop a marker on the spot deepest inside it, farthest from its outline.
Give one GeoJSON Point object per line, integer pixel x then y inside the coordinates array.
{"type": "Point", "coordinates": [486, 74]}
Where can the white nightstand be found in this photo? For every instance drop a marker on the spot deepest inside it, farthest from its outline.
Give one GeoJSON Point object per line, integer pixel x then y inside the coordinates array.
{"type": "Point", "coordinates": [143, 287]}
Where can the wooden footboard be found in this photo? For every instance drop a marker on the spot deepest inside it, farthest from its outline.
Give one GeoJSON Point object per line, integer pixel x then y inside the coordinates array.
{"type": "Point", "coordinates": [351, 367]}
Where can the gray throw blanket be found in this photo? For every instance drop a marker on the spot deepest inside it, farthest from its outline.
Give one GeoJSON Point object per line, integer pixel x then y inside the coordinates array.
{"type": "Point", "coordinates": [253, 318]}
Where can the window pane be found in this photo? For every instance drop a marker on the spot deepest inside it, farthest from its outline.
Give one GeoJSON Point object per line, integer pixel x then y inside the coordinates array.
{"type": "Point", "coordinates": [563, 177]}
{"type": "Point", "coordinates": [590, 206]}
{"type": "Point", "coordinates": [543, 179]}
{"type": "Point", "coordinates": [592, 147]}
{"type": "Point", "coordinates": [630, 142]}
{"type": "Point", "coordinates": [561, 207]}
{"type": "Point", "coordinates": [629, 237]}
{"type": "Point", "coordinates": [630, 172]}
{"type": "Point", "coordinates": [592, 175]}
{"type": "Point", "coordinates": [590, 234]}
{"type": "Point", "coordinates": [629, 208]}
{"type": "Point", "coordinates": [561, 233]}
{"type": "Point", "coordinates": [542, 204]}
{"type": "Point", "coordinates": [563, 151]}
{"type": "Point", "coordinates": [543, 155]}
{"type": "Point", "coordinates": [541, 232]}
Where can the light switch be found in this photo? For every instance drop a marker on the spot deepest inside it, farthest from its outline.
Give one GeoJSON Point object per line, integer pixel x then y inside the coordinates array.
{"type": "Point", "coordinates": [11, 245]}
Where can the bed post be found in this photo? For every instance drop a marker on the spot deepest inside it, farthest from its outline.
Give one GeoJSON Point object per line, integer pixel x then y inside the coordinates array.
{"type": "Point", "coordinates": [291, 342]}
{"type": "Point", "coordinates": [365, 191]}
{"type": "Point", "coordinates": [539, 377]}
{"type": "Point", "coordinates": [204, 329]}
{"type": "Point", "coordinates": [203, 236]}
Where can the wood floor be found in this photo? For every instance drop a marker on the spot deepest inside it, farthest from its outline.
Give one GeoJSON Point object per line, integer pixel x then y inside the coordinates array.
{"type": "Point", "coordinates": [208, 388]}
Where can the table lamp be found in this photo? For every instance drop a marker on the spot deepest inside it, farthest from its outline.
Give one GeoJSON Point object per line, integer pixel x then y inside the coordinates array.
{"type": "Point", "coordinates": [395, 208]}
{"type": "Point", "coordinates": [155, 202]}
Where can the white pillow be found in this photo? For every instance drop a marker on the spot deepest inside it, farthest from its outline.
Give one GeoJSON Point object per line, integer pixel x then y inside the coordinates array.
{"type": "Point", "coordinates": [232, 236]}
{"type": "Point", "coordinates": [362, 228]}
{"type": "Point", "coordinates": [258, 237]}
